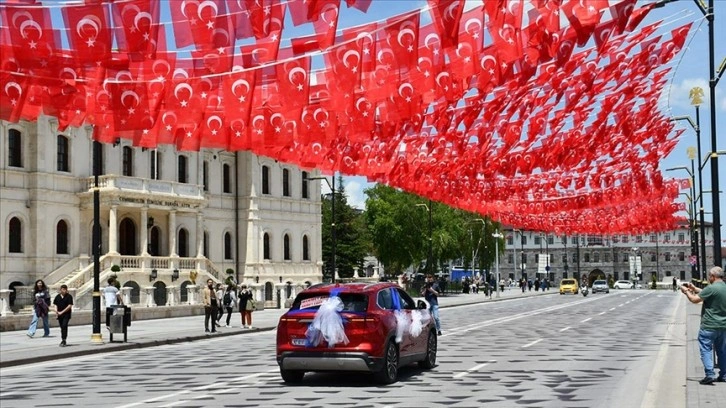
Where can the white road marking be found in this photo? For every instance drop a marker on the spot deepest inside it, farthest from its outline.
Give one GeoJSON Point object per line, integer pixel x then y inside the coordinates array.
{"type": "Point", "coordinates": [473, 369]}
{"type": "Point", "coordinates": [586, 320]}
{"type": "Point", "coordinates": [611, 309]}
{"type": "Point", "coordinates": [532, 343]}
{"type": "Point", "coordinates": [622, 304]}
{"type": "Point", "coordinates": [566, 328]}
{"type": "Point", "coordinates": [601, 313]}
{"type": "Point", "coordinates": [200, 388]}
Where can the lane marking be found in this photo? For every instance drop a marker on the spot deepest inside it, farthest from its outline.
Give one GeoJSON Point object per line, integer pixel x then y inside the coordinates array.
{"type": "Point", "coordinates": [601, 313]}
{"type": "Point", "coordinates": [586, 320]}
{"type": "Point", "coordinates": [473, 369]}
{"type": "Point", "coordinates": [622, 304]}
{"type": "Point", "coordinates": [611, 309]}
{"type": "Point", "coordinates": [532, 343]}
{"type": "Point", "coordinates": [566, 328]}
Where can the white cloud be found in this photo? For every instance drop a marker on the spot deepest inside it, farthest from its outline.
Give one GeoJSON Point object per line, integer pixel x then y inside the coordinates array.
{"type": "Point", "coordinates": [678, 93]}
{"type": "Point", "coordinates": [354, 187]}
{"type": "Point", "coordinates": [723, 104]}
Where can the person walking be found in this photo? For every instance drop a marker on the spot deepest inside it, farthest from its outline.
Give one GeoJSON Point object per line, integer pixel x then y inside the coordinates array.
{"type": "Point", "coordinates": [63, 303]}
{"type": "Point", "coordinates": [675, 284]}
{"type": "Point", "coordinates": [41, 306]}
{"type": "Point", "coordinates": [430, 292]}
{"type": "Point", "coordinates": [209, 299]}
{"type": "Point", "coordinates": [220, 308]}
{"type": "Point", "coordinates": [712, 333]}
{"type": "Point", "coordinates": [229, 300]}
{"type": "Point", "coordinates": [112, 296]}
{"type": "Point", "coordinates": [246, 306]}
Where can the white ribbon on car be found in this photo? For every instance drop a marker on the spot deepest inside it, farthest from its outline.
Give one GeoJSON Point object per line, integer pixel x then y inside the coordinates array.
{"type": "Point", "coordinates": [327, 324]}
{"type": "Point", "coordinates": [419, 319]}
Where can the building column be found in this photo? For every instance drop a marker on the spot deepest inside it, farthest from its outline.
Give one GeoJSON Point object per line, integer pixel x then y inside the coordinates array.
{"type": "Point", "coordinates": [200, 235]}
{"type": "Point", "coordinates": [113, 230]}
{"type": "Point", "coordinates": [144, 232]}
{"type": "Point", "coordinates": [172, 233]}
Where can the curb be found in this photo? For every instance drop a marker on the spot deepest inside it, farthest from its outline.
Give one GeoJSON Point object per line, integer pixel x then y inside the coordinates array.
{"type": "Point", "coordinates": [124, 346]}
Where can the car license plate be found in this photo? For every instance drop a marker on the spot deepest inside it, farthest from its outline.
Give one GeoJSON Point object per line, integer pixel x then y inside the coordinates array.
{"type": "Point", "coordinates": [299, 342]}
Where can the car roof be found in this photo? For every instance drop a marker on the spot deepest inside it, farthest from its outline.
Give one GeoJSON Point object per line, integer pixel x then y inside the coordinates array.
{"type": "Point", "coordinates": [600, 280]}
{"type": "Point", "coordinates": [357, 287]}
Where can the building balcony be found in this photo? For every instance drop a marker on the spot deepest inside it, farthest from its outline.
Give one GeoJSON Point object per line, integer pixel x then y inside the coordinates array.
{"type": "Point", "coordinates": [161, 193]}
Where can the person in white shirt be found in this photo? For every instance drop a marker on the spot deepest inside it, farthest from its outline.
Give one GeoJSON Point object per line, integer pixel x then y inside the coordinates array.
{"type": "Point", "coordinates": [113, 298]}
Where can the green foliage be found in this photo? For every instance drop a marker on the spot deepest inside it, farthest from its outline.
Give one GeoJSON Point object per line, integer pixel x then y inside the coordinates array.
{"type": "Point", "coordinates": [398, 224]}
{"type": "Point", "coordinates": [230, 271]}
{"type": "Point", "coordinates": [653, 281]}
{"type": "Point", "coordinates": [115, 268]}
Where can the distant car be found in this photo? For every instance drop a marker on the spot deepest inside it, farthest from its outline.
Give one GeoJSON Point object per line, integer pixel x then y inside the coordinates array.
{"type": "Point", "coordinates": [569, 286]}
{"type": "Point", "coordinates": [369, 322]}
{"type": "Point", "coordinates": [600, 286]}
{"type": "Point", "coordinates": [623, 284]}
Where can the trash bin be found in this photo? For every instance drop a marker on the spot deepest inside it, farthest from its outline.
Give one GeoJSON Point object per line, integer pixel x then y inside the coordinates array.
{"type": "Point", "coordinates": [118, 319]}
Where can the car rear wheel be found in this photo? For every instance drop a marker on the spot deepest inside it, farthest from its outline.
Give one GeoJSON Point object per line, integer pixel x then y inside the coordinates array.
{"type": "Point", "coordinates": [292, 376]}
{"type": "Point", "coordinates": [389, 372]}
{"type": "Point", "coordinates": [430, 360]}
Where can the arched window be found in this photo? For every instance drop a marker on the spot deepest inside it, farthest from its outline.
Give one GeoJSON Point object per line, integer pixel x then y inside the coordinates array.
{"type": "Point", "coordinates": [62, 154]}
{"type": "Point", "coordinates": [286, 247]}
{"type": "Point", "coordinates": [266, 246]}
{"type": "Point", "coordinates": [15, 236]}
{"type": "Point", "coordinates": [183, 175]}
{"type": "Point", "coordinates": [269, 291]}
{"type": "Point", "coordinates": [61, 238]}
{"type": "Point", "coordinates": [127, 168]}
{"type": "Point", "coordinates": [15, 148]}
{"type": "Point", "coordinates": [226, 179]}
{"type": "Point", "coordinates": [286, 182]}
{"type": "Point", "coordinates": [205, 175]}
{"type": "Point", "coordinates": [306, 251]}
{"type": "Point", "coordinates": [304, 184]}
{"type": "Point", "coordinates": [227, 245]}
{"type": "Point", "coordinates": [183, 243]}
{"type": "Point", "coordinates": [265, 180]}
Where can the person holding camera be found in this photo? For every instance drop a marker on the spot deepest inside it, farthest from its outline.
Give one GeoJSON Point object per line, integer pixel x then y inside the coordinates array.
{"type": "Point", "coordinates": [430, 292]}
{"type": "Point", "coordinates": [712, 334]}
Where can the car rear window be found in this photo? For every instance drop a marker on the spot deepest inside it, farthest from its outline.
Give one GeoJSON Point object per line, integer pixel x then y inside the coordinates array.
{"type": "Point", "coordinates": [599, 282]}
{"type": "Point", "coordinates": [352, 302]}
{"type": "Point", "coordinates": [568, 282]}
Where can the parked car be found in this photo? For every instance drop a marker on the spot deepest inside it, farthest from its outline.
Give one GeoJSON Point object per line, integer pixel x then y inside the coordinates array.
{"type": "Point", "coordinates": [369, 323]}
{"type": "Point", "coordinates": [623, 284]}
{"type": "Point", "coordinates": [569, 286]}
{"type": "Point", "coordinates": [600, 286]}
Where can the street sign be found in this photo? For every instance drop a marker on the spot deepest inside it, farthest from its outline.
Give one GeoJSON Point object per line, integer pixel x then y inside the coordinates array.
{"type": "Point", "coordinates": [547, 268]}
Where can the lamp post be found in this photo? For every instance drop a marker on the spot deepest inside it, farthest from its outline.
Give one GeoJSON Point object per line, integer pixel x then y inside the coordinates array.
{"type": "Point", "coordinates": [692, 205]}
{"type": "Point", "coordinates": [635, 265]}
{"type": "Point", "coordinates": [514, 248]}
{"type": "Point", "coordinates": [475, 250]}
{"type": "Point", "coordinates": [430, 258]}
{"type": "Point", "coordinates": [96, 337]}
{"type": "Point", "coordinates": [496, 237]}
{"type": "Point", "coordinates": [332, 214]}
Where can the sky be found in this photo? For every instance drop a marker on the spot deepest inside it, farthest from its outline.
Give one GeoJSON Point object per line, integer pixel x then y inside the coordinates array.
{"type": "Point", "coordinates": [688, 71]}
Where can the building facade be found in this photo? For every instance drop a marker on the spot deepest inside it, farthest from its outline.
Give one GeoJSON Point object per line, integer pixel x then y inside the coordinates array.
{"type": "Point", "coordinates": [620, 257]}
{"type": "Point", "coordinates": [169, 219]}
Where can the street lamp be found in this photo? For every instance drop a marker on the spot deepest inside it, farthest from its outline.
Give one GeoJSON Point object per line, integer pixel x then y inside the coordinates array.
{"type": "Point", "coordinates": [635, 264]}
{"type": "Point", "coordinates": [692, 203]}
{"type": "Point", "coordinates": [332, 214]}
{"type": "Point", "coordinates": [514, 248]}
{"type": "Point", "coordinates": [430, 258]}
{"type": "Point", "coordinates": [496, 237]}
{"type": "Point", "coordinates": [475, 251]}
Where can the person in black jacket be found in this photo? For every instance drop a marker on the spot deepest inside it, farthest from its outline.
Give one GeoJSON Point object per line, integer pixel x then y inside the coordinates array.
{"type": "Point", "coordinates": [41, 304]}
{"type": "Point", "coordinates": [246, 306]}
{"type": "Point", "coordinates": [63, 303]}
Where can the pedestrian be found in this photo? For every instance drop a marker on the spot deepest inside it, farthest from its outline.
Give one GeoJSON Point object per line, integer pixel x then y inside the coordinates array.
{"type": "Point", "coordinates": [113, 297]}
{"type": "Point", "coordinates": [220, 309]}
{"type": "Point", "coordinates": [209, 299]}
{"type": "Point", "coordinates": [529, 284]}
{"type": "Point", "coordinates": [430, 292]}
{"type": "Point", "coordinates": [675, 283]}
{"type": "Point", "coordinates": [229, 300]}
{"type": "Point", "coordinates": [536, 285]}
{"type": "Point", "coordinates": [522, 284]}
{"type": "Point", "coordinates": [63, 303]}
{"type": "Point", "coordinates": [41, 305]}
{"type": "Point", "coordinates": [712, 332]}
{"type": "Point", "coordinates": [246, 306]}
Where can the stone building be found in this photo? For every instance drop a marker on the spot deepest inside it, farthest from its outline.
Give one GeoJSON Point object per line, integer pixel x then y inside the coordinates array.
{"type": "Point", "coordinates": [166, 215]}
{"type": "Point", "coordinates": [663, 254]}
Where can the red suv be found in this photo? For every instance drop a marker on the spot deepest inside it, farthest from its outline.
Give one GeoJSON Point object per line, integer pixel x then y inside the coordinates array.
{"type": "Point", "coordinates": [369, 322]}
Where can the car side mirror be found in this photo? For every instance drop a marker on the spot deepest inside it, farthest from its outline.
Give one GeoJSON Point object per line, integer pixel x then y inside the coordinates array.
{"type": "Point", "coordinates": [421, 304]}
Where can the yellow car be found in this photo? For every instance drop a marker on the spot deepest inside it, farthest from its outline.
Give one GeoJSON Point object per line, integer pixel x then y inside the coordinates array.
{"type": "Point", "coordinates": [569, 286]}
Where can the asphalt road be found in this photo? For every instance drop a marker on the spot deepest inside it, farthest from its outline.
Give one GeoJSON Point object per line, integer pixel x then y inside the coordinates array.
{"type": "Point", "coordinates": [556, 351]}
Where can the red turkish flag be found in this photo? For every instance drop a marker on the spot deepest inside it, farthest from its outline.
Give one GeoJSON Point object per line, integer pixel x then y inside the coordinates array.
{"type": "Point", "coordinates": [266, 47]}
{"type": "Point", "coordinates": [130, 104]}
{"type": "Point", "coordinates": [136, 27]}
{"type": "Point", "coordinates": [621, 13]}
{"type": "Point", "coordinates": [238, 92]}
{"type": "Point", "coordinates": [29, 29]}
{"type": "Point", "coordinates": [505, 31]}
{"type": "Point", "coordinates": [214, 131]}
{"type": "Point", "coordinates": [446, 17]}
{"type": "Point", "coordinates": [638, 15]}
{"type": "Point", "coordinates": [293, 82]}
{"type": "Point", "coordinates": [189, 136]}
{"type": "Point", "coordinates": [12, 96]}
{"type": "Point", "coordinates": [326, 23]}
{"type": "Point", "coordinates": [89, 32]}
{"type": "Point", "coordinates": [584, 15]}
{"type": "Point", "coordinates": [402, 38]}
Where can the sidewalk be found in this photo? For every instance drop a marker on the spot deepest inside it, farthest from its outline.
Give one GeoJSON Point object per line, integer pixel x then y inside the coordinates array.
{"type": "Point", "coordinates": [698, 395]}
{"type": "Point", "coordinates": [18, 349]}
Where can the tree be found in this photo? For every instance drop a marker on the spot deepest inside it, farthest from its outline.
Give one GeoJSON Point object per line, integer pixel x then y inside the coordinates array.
{"type": "Point", "coordinates": [350, 234]}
